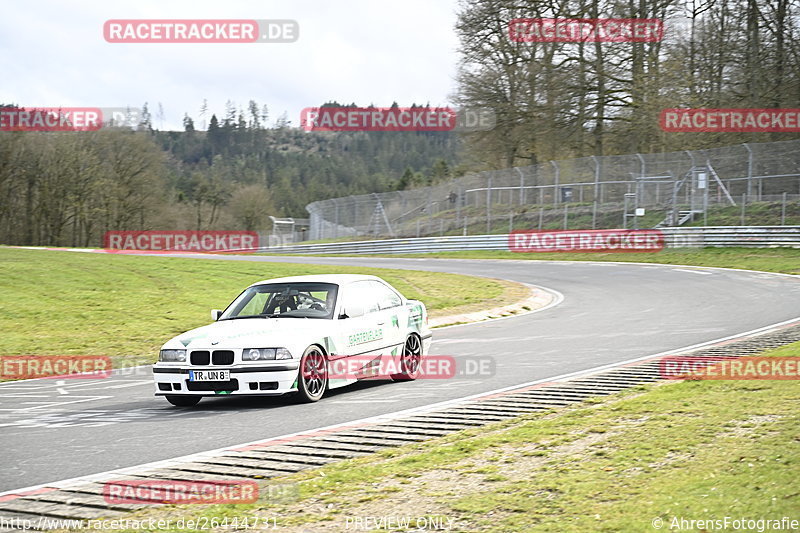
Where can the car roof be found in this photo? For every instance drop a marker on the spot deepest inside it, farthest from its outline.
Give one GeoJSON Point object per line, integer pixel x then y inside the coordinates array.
{"type": "Point", "coordinates": [338, 279]}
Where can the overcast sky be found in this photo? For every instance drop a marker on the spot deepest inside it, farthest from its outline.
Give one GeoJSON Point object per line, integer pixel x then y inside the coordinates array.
{"type": "Point", "coordinates": [53, 54]}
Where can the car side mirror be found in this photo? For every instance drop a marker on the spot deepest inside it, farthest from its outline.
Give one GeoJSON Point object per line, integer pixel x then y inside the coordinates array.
{"type": "Point", "coordinates": [215, 314]}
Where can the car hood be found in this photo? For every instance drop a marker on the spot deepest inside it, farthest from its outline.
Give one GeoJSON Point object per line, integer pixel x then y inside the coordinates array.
{"type": "Point", "coordinates": [247, 333]}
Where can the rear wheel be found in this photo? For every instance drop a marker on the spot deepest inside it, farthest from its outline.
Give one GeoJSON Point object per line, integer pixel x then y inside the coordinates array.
{"type": "Point", "coordinates": [183, 400]}
{"type": "Point", "coordinates": [410, 359]}
{"type": "Point", "coordinates": [313, 377]}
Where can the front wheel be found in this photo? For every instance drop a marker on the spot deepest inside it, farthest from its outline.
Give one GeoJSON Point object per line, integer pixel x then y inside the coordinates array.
{"type": "Point", "coordinates": [313, 376]}
{"type": "Point", "coordinates": [410, 359]}
{"type": "Point", "coordinates": [182, 400]}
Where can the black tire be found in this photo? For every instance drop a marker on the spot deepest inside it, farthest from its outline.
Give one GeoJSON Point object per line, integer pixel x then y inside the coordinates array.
{"type": "Point", "coordinates": [183, 400]}
{"type": "Point", "coordinates": [312, 378]}
{"type": "Point", "coordinates": [410, 359]}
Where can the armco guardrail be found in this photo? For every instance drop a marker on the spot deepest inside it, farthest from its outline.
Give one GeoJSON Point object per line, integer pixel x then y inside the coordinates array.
{"type": "Point", "coordinates": [690, 237]}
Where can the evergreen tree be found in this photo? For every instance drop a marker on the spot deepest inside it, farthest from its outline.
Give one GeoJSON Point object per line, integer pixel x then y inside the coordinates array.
{"type": "Point", "coordinates": [146, 121]}
{"type": "Point", "coordinates": [188, 123]}
{"type": "Point", "coordinates": [406, 179]}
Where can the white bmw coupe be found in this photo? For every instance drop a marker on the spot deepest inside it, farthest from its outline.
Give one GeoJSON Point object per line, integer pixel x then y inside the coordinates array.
{"type": "Point", "coordinates": [284, 335]}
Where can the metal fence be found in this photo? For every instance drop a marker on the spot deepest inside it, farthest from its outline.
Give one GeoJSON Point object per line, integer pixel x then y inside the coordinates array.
{"type": "Point", "coordinates": [589, 192]}
{"type": "Point", "coordinates": [689, 237]}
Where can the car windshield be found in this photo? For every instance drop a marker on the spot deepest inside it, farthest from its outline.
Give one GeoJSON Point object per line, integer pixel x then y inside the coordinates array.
{"type": "Point", "coordinates": [284, 300]}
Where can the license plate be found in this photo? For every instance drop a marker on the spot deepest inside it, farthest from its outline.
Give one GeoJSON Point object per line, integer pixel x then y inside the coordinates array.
{"type": "Point", "coordinates": [209, 375]}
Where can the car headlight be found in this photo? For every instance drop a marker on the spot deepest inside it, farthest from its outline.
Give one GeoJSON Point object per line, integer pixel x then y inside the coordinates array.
{"type": "Point", "coordinates": [265, 354]}
{"type": "Point", "coordinates": [172, 356]}
{"type": "Point", "coordinates": [258, 354]}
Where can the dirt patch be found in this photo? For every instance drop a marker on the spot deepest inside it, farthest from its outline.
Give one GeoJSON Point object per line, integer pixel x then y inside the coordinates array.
{"type": "Point", "coordinates": [430, 493]}
{"type": "Point", "coordinates": [748, 426]}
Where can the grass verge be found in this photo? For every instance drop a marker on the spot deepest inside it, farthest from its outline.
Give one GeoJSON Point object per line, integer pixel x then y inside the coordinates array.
{"type": "Point", "coordinates": [689, 450]}
{"type": "Point", "coordinates": [124, 306]}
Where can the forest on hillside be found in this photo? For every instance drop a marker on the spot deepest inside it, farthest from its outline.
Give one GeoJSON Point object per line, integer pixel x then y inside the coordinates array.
{"type": "Point", "coordinates": [552, 100]}
{"type": "Point", "coordinates": [69, 188]}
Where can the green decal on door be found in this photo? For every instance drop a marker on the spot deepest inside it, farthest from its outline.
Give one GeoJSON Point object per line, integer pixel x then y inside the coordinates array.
{"type": "Point", "coordinates": [365, 336]}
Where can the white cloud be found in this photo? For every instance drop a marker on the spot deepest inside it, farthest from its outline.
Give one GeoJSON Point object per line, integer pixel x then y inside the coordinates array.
{"type": "Point", "coordinates": [54, 54]}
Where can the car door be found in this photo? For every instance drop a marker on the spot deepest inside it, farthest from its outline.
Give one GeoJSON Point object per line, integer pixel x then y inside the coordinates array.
{"type": "Point", "coordinates": [390, 316]}
{"type": "Point", "coordinates": [361, 328]}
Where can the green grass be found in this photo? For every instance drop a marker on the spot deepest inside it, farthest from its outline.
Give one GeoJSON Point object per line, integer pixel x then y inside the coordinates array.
{"type": "Point", "coordinates": [693, 449]}
{"type": "Point", "coordinates": [784, 260]}
{"type": "Point", "coordinates": [756, 214]}
{"type": "Point", "coordinates": [57, 302]}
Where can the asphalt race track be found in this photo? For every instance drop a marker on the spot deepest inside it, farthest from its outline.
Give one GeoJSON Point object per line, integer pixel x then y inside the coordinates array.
{"type": "Point", "coordinates": [53, 430]}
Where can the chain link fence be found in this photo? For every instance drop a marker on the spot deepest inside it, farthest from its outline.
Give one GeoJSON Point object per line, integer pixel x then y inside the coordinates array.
{"type": "Point", "coordinates": [637, 190]}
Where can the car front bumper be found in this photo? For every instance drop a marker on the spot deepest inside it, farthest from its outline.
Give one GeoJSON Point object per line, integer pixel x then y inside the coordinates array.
{"type": "Point", "coordinates": [262, 380]}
